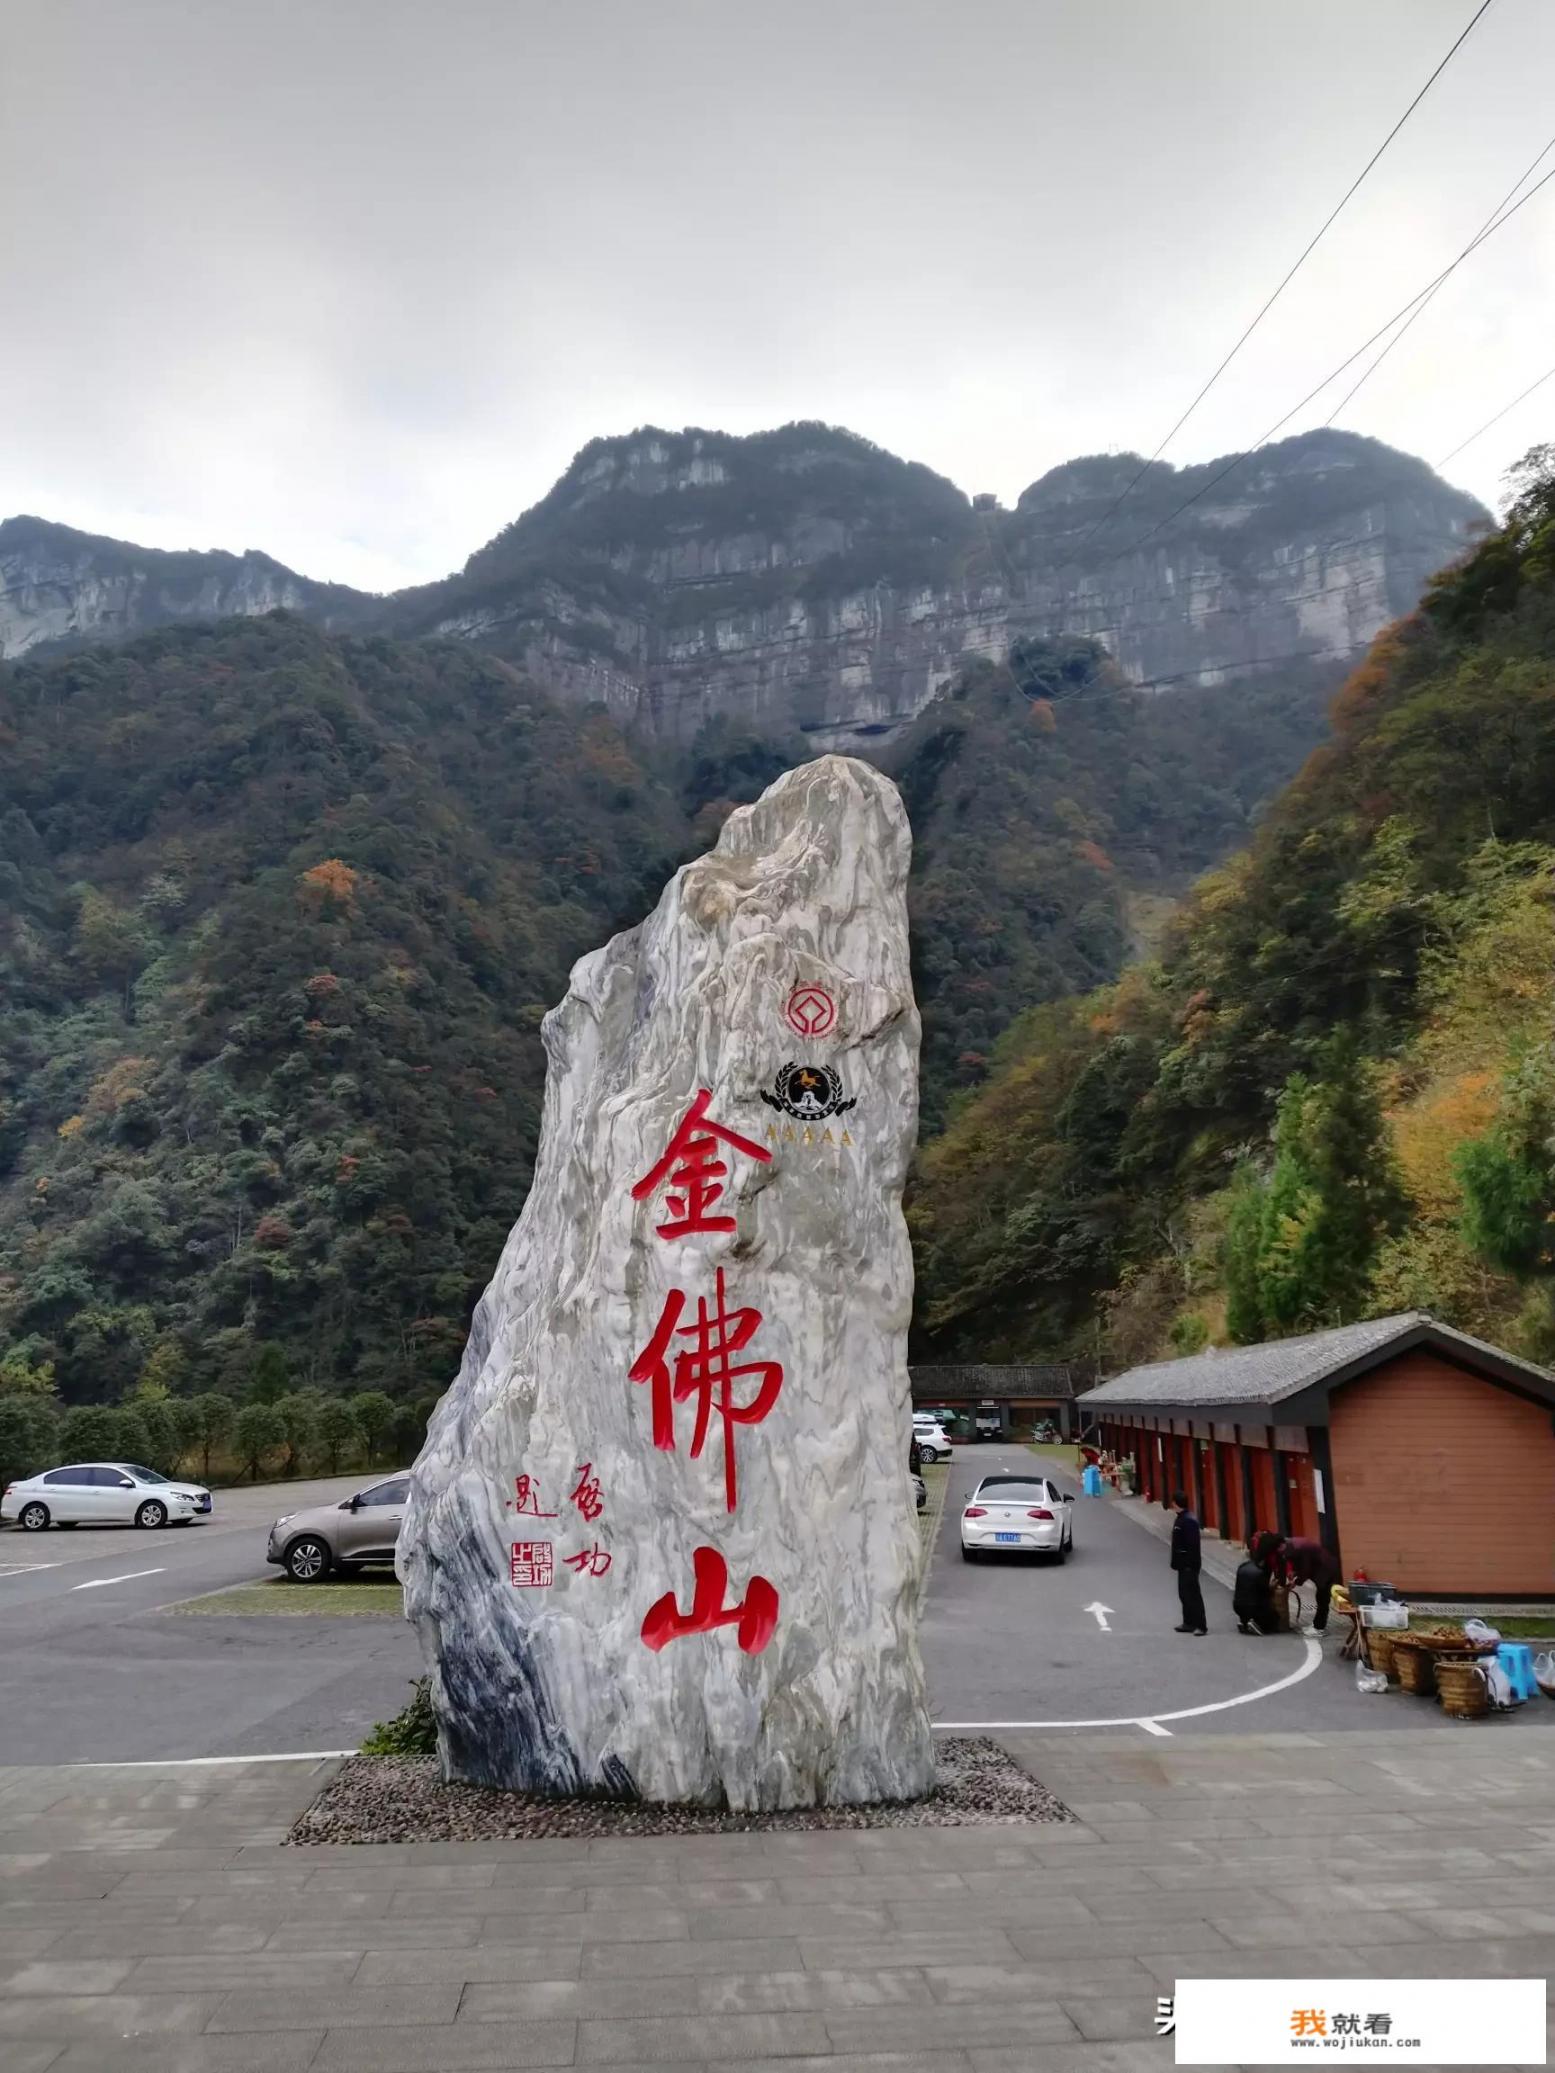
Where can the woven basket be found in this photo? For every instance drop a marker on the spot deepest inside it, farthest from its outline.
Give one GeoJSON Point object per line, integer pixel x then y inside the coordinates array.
{"type": "Point", "coordinates": [1461, 1688]}
{"type": "Point", "coordinates": [1379, 1650]}
{"type": "Point", "coordinates": [1415, 1665]}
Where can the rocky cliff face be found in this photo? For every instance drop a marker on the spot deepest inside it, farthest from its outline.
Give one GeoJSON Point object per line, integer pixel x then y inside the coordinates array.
{"type": "Point", "coordinates": [804, 579]}
{"type": "Point", "coordinates": [60, 585]}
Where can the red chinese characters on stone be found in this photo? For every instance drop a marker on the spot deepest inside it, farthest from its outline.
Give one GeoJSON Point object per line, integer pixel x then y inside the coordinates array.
{"type": "Point", "coordinates": [592, 1561]}
{"type": "Point", "coordinates": [754, 1618]}
{"type": "Point", "coordinates": [533, 1566]}
{"type": "Point", "coordinates": [695, 1174]}
{"type": "Point", "coordinates": [587, 1495]}
{"type": "Point", "coordinates": [706, 1372]}
{"type": "Point", "coordinates": [527, 1498]}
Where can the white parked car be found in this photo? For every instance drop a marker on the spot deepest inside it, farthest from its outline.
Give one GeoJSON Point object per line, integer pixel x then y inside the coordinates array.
{"type": "Point", "coordinates": [933, 1440]}
{"type": "Point", "coordinates": [103, 1493]}
{"type": "Point", "coordinates": [1017, 1515]}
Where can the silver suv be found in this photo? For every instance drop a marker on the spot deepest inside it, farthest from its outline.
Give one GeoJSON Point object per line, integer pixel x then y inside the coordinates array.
{"type": "Point", "coordinates": [308, 1545]}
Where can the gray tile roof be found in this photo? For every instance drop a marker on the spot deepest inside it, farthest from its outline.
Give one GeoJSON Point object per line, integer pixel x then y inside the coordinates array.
{"type": "Point", "coordinates": [1053, 1380]}
{"type": "Point", "coordinates": [1266, 1374]}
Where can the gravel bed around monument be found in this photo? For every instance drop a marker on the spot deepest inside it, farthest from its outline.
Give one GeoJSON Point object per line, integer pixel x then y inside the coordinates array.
{"type": "Point", "coordinates": [402, 1799]}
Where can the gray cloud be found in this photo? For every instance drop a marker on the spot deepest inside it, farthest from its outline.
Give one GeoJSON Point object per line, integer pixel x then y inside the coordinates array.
{"type": "Point", "coordinates": [351, 280]}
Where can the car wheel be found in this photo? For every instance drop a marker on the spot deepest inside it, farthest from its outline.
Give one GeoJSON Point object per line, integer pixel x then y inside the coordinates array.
{"type": "Point", "coordinates": [151, 1513]}
{"type": "Point", "coordinates": [307, 1560]}
{"type": "Point", "coordinates": [969, 1554]}
{"type": "Point", "coordinates": [32, 1518]}
{"type": "Point", "coordinates": [1063, 1551]}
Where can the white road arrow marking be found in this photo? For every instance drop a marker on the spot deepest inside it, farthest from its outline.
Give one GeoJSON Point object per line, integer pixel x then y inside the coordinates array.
{"type": "Point", "coordinates": [99, 1582]}
{"type": "Point", "coordinates": [1101, 1612]}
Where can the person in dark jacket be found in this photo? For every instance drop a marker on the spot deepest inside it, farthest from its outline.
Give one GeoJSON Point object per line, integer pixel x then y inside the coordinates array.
{"type": "Point", "coordinates": [1308, 1562]}
{"type": "Point", "coordinates": [1187, 1560]}
{"type": "Point", "coordinates": [1253, 1599]}
{"type": "Point", "coordinates": [914, 1455]}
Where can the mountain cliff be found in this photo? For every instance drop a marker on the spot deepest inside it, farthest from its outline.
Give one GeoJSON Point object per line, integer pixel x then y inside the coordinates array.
{"type": "Point", "coordinates": [805, 580]}
{"type": "Point", "coordinates": [60, 585]}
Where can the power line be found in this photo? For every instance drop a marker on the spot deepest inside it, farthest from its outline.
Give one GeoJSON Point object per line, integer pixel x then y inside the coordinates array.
{"type": "Point", "coordinates": [1311, 247]}
{"type": "Point", "coordinates": [1500, 414]}
{"type": "Point", "coordinates": [1236, 460]}
{"type": "Point", "coordinates": [1403, 332]}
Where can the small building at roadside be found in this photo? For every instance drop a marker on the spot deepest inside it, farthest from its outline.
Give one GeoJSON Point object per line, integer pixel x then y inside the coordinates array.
{"type": "Point", "coordinates": [990, 1402]}
{"type": "Point", "coordinates": [1417, 1454]}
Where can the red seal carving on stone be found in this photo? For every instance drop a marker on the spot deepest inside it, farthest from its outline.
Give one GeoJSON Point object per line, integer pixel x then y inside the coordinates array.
{"type": "Point", "coordinates": [811, 1011]}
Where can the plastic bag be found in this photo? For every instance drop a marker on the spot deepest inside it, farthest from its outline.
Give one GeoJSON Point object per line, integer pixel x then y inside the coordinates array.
{"type": "Point", "coordinates": [1497, 1683]}
{"type": "Point", "coordinates": [1481, 1635]}
{"type": "Point", "coordinates": [1369, 1680]}
{"type": "Point", "coordinates": [1544, 1673]}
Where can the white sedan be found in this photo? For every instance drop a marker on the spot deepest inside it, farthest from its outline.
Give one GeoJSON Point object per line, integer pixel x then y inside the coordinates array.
{"type": "Point", "coordinates": [1017, 1515]}
{"type": "Point", "coordinates": [103, 1493]}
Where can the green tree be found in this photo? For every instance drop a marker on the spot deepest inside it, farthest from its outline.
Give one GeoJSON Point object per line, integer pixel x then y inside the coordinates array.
{"type": "Point", "coordinates": [188, 1426]}
{"type": "Point", "coordinates": [90, 1432]}
{"type": "Point", "coordinates": [131, 1437]}
{"type": "Point", "coordinates": [161, 1431]}
{"type": "Point", "coordinates": [270, 1377]}
{"type": "Point", "coordinates": [1300, 1248]}
{"type": "Point", "coordinates": [298, 1412]}
{"type": "Point", "coordinates": [258, 1433]}
{"type": "Point", "coordinates": [212, 1421]}
{"type": "Point", "coordinates": [374, 1414]}
{"type": "Point", "coordinates": [29, 1435]}
{"type": "Point", "coordinates": [338, 1434]}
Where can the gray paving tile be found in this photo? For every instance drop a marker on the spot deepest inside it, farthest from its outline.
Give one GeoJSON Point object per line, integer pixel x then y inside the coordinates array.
{"type": "Point", "coordinates": [645, 2039]}
{"type": "Point", "coordinates": [1375, 1925]}
{"type": "Point", "coordinates": [859, 2062]}
{"type": "Point", "coordinates": [977, 1912]}
{"type": "Point", "coordinates": [447, 2048]}
{"type": "Point", "coordinates": [18, 1942]}
{"type": "Point", "coordinates": [874, 1889]}
{"type": "Point", "coordinates": [282, 2051]}
{"type": "Point", "coordinates": [337, 2008]}
{"type": "Point", "coordinates": [378, 1933]}
{"type": "Point", "coordinates": [120, 1938]}
{"type": "Point", "coordinates": [105, 2015]}
{"type": "Point", "coordinates": [953, 1948]}
{"type": "Point", "coordinates": [762, 1993]}
{"type": "Point", "coordinates": [1012, 2025]}
{"type": "Point", "coordinates": [487, 1961]}
{"type": "Point", "coordinates": [509, 2000]}
{"type": "Point", "coordinates": [665, 1960]}
{"type": "Point", "coordinates": [396, 1878]}
{"type": "Point", "coordinates": [695, 1893]}
{"type": "Point", "coordinates": [1116, 1939]}
{"type": "Point", "coordinates": [28, 2055]}
{"type": "Point", "coordinates": [64, 1976]}
{"type": "Point", "coordinates": [1025, 1979]}
{"type": "Point", "coordinates": [278, 1971]}
{"type": "Point", "coordinates": [844, 1919]}
{"type": "Point", "coordinates": [1081, 2058]}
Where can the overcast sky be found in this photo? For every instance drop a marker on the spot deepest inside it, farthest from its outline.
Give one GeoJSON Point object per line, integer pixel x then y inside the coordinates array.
{"type": "Point", "coordinates": [351, 280]}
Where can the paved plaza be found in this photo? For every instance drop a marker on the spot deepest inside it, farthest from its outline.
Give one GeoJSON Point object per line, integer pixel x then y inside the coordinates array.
{"type": "Point", "coordinates": [152, 1919]}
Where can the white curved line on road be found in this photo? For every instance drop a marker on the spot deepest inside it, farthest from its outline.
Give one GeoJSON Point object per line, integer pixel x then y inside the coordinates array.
{"type": "Point", "coordinates": [1265, 1691]}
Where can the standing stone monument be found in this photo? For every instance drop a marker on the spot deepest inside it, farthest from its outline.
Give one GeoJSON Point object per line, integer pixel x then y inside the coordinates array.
{"type": "Point", "coordinates": [661, 1539]}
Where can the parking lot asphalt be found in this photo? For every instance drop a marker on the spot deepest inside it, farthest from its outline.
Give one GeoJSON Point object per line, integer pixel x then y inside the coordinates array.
{"type": "Point", "coordinates": [1090, 1644]}
{"type": "Point", "coordinates": [98, 1669]}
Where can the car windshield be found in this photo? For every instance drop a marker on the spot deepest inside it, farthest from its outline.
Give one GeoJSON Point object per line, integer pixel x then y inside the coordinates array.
{"type": "Point", "coordinates": [141, 1475]}
{"type": "Point", "coordinates": [1011, 1492]}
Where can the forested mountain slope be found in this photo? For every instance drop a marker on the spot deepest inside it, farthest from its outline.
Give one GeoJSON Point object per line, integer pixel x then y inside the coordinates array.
{"type": "Point", "coordinates": [280, 912]}
{"type": "Point", "coordinates": [1335, 1093]}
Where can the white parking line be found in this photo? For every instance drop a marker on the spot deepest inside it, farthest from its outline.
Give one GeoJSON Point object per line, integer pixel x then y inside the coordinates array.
{"type": "Point", "coordinates": [185, 1763]}
{"type": "Point", "coordinates": [1151, 1722]}
{"type": "Point", "coordinates": [99, 1583]}
{"type": "Point", "coordinates": [24, 1568]}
